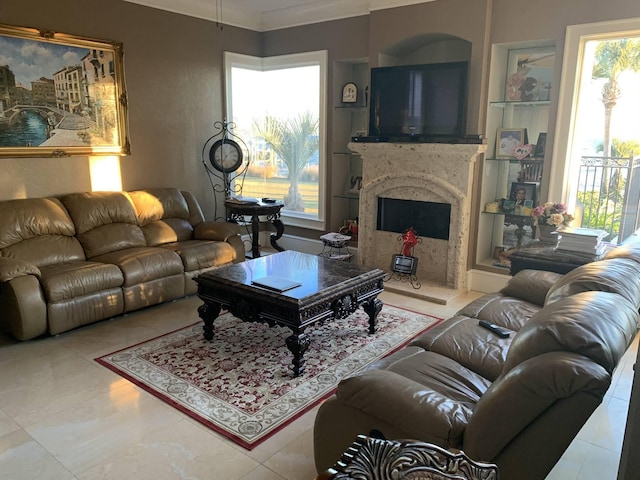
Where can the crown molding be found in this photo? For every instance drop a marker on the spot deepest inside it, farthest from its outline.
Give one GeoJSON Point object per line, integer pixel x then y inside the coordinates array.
{"type": "Point", "coordinates": [259, 21]}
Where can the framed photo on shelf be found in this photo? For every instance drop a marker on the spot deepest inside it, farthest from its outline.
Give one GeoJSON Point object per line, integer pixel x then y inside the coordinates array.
{"type": "Point", "coordinates": [523, 196]}
{"type": "Point", "coordinates": [507, 139]}
{"type": "Point", "coordinates": [540, 145]}
{"type": "Point", "coordinates": [529, 74]}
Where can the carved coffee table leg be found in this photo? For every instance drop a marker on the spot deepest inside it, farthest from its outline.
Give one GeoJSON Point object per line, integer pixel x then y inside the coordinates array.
{"type": "Point", "coordinates": [208, 313]}
{"type": "Point", "coordinates": [372, 308]}
{"type": "Point", "coordinates": [298, 344]}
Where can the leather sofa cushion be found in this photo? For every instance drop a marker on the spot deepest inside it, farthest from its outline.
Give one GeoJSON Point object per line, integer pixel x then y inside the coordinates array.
{"type": "Point", "coordinates": [163, 214]}
{"type": "Point", "coordinates": [425, 394]}
{"type": "Point", "coordinates": [505, 311]}
{"type": "Point", "coordinates": [630, 250]}
{"type": "Point", "coordinates": [154, 204]}
{"type": "Point", "coordinates": [531, 285]}
{"type": "Point", "coordinates": [143, 264]}
{"type": "Point", "coordinates": [166, 231]}
{"type": "Point", "coordinates": [201, 254]}
{"type": "Point", "coordinates": [31, 217]}
{"type": "Point", "coordinates": [46, 250]}
{"type": "Point", "coordinates": [463, 340]}
{"type": "Point", "coordinates": [616, 275]}
{"type": "Point", "coordinates": [105, 221]}
{"type": "Point", "coordinates": [598, 325]}
{"type": "Point", "coordinates": [38, 231]}
{"type": "Point", "coordinates": [69, 280]}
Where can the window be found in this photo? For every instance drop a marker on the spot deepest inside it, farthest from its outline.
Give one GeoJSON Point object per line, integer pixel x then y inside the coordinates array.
{"type": "Point", "coordinates": [596, 129]}
{"type": "Point", "coordinates": [277, 106]}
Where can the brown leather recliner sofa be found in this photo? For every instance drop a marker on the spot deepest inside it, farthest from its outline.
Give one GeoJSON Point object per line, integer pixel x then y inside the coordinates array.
{"type": "Point", "coordinates": [518, 401]}
{"type": "Point", "coordinates": [84, 257]}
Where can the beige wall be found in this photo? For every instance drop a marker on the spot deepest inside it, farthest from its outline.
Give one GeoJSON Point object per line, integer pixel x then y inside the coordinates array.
{"type": "Point", "coordinates": [173, 67]}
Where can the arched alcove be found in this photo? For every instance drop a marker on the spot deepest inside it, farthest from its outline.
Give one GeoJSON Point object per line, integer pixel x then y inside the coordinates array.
{"type": "Point", "coordinates": [426, 48]}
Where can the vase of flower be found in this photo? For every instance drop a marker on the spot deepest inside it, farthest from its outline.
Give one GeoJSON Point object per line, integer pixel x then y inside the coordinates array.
{"type": "Point", "coordinates": [547, 218]}
{"type": "Point", "coordinates": [547, 235]}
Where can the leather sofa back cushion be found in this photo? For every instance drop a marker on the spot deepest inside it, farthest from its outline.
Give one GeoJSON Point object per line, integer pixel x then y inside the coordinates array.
{"type": "Point", "coordinates": [159, 203]}
{"type": "Point", "coordinates": [530, 285]}
{"type": "Point", "coordinates": [105, 221]}
{"type": "Point", "coordinates": [163, 214]}
{"type": "Point", "coordinates": [630, 250]}
{"type": "Point", "coordinates": [616, 275]}
{"type": "Point", "coordinates": [597, 325]}
{"type": "Point", "coordinates": [38, 231]}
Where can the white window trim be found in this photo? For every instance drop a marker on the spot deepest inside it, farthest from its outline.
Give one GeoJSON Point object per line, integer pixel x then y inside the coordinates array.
{"type": "Point", "coordinates": [576, 38]}
{"type": "Point", "coordinates": [297, 219]}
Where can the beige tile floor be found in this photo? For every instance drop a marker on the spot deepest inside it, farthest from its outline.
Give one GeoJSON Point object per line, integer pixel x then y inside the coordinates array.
{"type": "Point", "coordinates": [63, 416]}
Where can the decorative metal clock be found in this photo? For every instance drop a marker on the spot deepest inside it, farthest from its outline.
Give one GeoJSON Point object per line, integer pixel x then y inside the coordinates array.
{"type": "Point", "coordinates": [223, 156]}
{"type": "Point", "coordinates": [226, 155]}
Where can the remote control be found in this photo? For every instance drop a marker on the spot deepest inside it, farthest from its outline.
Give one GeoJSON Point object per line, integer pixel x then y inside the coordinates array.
{"type": "Point", "coordinates": [501, 332]}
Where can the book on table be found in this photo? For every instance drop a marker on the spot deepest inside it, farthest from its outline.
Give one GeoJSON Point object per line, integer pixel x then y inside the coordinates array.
{"type": "Point", "coordinates": [242, 201]}
{"type": "Point", "coordinates": [276, 283]}
{"type": "Point", "coordinates": [584, 240]}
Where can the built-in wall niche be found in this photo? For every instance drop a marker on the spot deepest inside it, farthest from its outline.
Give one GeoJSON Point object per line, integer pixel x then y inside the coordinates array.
{"type": "Point", "coordinates": [428, 48]}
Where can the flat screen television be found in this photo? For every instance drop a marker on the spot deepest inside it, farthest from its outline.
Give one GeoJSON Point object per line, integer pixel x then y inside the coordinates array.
{"type": "Point", "coordinates": [422, 100]}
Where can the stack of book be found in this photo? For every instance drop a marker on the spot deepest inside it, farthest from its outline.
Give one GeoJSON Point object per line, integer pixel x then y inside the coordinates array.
{"type": "Point", "coordinates": [583, 240]}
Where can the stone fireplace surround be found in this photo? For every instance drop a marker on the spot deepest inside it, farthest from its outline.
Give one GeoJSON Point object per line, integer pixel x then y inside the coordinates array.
{"type": "Point", "coordinates": [429, 172]}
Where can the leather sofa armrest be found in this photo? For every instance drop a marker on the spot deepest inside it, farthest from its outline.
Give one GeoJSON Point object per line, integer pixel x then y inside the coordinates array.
{"type": "Point", "coordinates": [519, 402]}
{"type": "Point", "coordinates": [11, 268]}
{"type": "Point", "coordinates": [420, 412]}
{"type": "Point", "coordinates": [219, 231]}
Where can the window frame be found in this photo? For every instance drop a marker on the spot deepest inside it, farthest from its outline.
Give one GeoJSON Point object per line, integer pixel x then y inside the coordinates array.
{"type": "Point", "coordinates": [313, 58]}
{"type": "Point", "coordinates": [577, 36]}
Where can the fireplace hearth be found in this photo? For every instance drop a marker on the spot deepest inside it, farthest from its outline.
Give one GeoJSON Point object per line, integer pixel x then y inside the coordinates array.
{"type": "Point", "coordinates": [421, 172]}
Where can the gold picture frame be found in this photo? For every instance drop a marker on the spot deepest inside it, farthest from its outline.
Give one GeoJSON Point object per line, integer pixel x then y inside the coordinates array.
{"type": "Point", "coordinates": [61, 95]}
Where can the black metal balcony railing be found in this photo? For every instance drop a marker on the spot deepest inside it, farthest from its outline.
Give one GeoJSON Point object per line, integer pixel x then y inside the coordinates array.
{"type": "Point", "coordinates": [609, 195]}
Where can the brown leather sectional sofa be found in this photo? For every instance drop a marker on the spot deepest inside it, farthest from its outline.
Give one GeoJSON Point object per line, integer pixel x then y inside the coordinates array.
{"type": "Point", "coordinates": [84, 257]}
{"type": "Point", "coordinates": [518, 401]}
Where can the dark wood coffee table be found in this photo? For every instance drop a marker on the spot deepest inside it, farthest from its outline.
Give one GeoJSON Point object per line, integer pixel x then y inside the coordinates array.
{"type": "Point", "coordinates": [329, 289]}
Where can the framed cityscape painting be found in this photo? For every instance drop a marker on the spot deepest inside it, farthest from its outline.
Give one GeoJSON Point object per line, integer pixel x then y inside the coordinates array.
{"type": "Point", "coordinates": [61, 95]}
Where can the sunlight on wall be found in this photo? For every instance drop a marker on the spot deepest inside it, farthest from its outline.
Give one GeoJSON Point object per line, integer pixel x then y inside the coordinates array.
{"type": "Point", "coordinates": [105, 174]}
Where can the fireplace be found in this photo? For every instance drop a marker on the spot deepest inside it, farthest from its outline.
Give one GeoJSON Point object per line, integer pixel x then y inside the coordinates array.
{"type": "Point", "coordinates": [425, 173]}
{"type": "Point", "coordinates": [428, 219]}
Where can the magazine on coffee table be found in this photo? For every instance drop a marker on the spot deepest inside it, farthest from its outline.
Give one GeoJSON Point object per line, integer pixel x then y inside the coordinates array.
{"type": "Point", "coordinates": [276, 283]}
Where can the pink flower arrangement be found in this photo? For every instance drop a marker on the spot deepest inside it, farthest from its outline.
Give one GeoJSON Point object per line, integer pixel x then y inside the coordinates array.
{"type": "Point", "coordinates": [551, 214]}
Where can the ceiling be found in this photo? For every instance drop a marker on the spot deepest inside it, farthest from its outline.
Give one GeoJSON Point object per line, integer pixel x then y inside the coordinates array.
{"type": "Point", "coordinates": [264, 15]}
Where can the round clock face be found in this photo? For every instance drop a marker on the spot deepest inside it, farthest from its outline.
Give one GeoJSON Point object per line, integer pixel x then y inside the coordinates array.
{"type": "Point", "coordinates": [225, 156]}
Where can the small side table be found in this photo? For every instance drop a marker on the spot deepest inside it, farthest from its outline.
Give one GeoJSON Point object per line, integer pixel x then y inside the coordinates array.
{"type": "Point", "coordinates": [236, 213]}
{"type": "Point", "coordinates": [548, 258]}
{"type": "Point", "coordinates": [336, 246]}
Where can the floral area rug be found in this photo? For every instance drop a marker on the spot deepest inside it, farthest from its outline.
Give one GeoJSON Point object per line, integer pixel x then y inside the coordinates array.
{"type": "Point", "coordinates": [240, 384]}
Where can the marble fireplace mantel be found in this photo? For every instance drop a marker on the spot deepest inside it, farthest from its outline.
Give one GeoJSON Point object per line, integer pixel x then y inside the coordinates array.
{"type": "Point", "coordinates": [429, 172]}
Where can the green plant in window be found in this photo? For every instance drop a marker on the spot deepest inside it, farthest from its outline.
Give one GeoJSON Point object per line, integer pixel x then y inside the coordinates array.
{"type": "Point", "coordinates": [295, 141]}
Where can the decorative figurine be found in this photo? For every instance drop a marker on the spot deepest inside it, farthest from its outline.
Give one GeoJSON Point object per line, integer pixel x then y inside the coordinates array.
{"type": "Point", "coordinates": [409, 240]}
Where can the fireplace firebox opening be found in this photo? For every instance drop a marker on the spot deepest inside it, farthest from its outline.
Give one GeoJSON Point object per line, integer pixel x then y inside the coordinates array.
{"type": "Point", "coordinates": [428, 219]}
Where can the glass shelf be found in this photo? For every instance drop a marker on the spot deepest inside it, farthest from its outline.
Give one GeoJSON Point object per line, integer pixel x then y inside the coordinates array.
{"type": "Point", "coordinates": [351, 154]}
{"type": "Point", "coordinates": [350, 107]}
{"type": "Point", "coordinates": [536, 103]}
{"type": "Point", "coordinates": [506, 213]}
{"type": "Point", "coordinates": [515, 160]}
{"type": "Point", "coordinates": [348, 197]}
